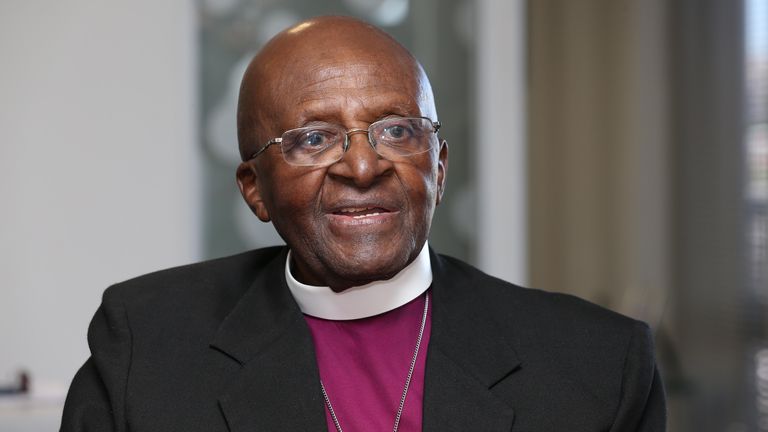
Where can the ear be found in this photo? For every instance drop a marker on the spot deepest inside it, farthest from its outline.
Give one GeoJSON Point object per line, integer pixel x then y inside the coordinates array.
{"type": "Point", "coordinates": [442, 167]}
{"type": "Point", "coordinates": [250, 188]}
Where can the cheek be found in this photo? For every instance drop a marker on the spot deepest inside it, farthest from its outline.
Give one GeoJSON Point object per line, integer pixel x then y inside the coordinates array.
{"type": "Point", "coordinates": [294, 193]}
{"type": "Point", "coordinates": [420, 182]}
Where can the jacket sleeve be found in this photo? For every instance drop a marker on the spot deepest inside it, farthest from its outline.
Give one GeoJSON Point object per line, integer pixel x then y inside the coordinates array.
{"type": "Point", "coordinates": [642, 407]}
{"type": "Point", "coordinates": [96, 397]}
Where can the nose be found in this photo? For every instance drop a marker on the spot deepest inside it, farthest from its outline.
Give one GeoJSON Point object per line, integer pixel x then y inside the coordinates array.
{"type": "Point", "coordinates": [360, 164]}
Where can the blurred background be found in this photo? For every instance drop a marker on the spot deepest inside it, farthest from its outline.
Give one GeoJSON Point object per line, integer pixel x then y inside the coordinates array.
{"type": "Point", "coordinates": [614, 149]}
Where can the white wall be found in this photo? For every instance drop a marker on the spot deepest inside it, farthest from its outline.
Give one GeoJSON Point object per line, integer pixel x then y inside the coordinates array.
{"type": "Point", "coordinates": [98, 165]}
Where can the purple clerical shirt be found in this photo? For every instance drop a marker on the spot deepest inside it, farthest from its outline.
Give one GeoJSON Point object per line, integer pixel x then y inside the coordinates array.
{"type": "Point", "coordinates": [364, 363]}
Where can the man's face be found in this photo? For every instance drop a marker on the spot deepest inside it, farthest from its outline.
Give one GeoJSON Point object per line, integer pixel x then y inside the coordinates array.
{"type": "Point", "coordinates": [364, 217]}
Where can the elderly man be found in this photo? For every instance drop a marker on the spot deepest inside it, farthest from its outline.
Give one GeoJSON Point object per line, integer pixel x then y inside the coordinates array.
{"type": "Point", "coordinates": [356, 325]}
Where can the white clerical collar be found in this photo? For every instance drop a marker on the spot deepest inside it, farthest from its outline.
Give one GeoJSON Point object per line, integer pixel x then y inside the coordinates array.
{"type": "Point", "coordinates": [366, 300]}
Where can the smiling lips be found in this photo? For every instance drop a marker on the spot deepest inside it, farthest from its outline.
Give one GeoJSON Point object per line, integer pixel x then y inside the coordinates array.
{"type": "Point", "coordinates": [361, 212]}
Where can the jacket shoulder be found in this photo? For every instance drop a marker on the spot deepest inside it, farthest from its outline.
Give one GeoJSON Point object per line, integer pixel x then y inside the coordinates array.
{"type": "Point", "coordinates": [198, 294]}
{"type": "Point", "coordinates": [223, 277]}
{"type": "Point", "coordinates": [537, 309]}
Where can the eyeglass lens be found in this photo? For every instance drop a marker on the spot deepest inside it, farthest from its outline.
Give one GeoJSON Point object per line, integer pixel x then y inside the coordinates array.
{"type": "Point", "coordinates": [323, 143]}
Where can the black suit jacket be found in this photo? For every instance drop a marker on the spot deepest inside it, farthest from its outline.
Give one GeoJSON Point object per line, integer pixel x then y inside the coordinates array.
{"type": "Point", "coordinates": [222, 346]}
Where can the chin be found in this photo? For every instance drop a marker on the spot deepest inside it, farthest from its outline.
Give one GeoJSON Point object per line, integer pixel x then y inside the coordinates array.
{"type": "Point", "coordinates": [358, 272]}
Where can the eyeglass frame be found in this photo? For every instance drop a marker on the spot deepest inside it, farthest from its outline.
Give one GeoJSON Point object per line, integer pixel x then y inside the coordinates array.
{"type": "Point", "coordinates": [347, 132]}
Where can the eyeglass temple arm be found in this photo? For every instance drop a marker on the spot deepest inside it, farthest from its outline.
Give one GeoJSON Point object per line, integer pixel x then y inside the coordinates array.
{"type": "Point", "coordinates": [261, 150]}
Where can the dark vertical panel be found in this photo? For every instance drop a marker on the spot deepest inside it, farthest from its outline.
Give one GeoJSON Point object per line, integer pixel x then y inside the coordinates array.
{"type": "Point", "coordinates": [715, 326]}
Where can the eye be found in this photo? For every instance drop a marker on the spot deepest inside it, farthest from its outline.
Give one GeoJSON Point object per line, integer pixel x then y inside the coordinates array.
{"type": "Point", "coordinates": [309, 139]}
{"type": "Point", "coordinates": [314, 139]}
{"type": "Point", "coordinates": [397, 130]}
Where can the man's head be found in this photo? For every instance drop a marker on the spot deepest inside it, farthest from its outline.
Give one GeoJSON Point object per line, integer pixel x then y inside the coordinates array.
{"type": "Point", "coordinates": [361, 218]}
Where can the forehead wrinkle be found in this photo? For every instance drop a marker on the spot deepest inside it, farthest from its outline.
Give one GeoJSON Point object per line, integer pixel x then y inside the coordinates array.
{"type": "Point", "coordinates": [375, 92]}
{"type": "Point", "coordinates": [356, 108]}
{"type": "Point", "coordinates": [346, 63]}
{"type": "Point", "coordinates": [361, 93]}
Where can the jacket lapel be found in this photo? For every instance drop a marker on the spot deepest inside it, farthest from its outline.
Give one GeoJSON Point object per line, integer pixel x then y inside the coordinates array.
{"type": "Point", "coordinates": [277, 387]}
{"type": "Point", "coordinates": [466, 359]}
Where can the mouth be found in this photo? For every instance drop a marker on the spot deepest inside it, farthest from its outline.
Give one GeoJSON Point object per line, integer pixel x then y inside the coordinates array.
{"type": "Point", "coordinates": [360, 212]}
{"type": "Point", "coordinates": [363, 214]}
